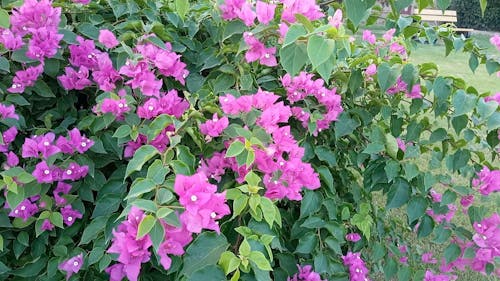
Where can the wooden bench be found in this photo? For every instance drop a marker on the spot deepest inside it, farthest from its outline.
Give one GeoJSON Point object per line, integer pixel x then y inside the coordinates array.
{"type": "Point", "coordinates": [437, 16]}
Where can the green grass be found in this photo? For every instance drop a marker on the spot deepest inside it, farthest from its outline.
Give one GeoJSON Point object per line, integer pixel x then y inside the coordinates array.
{"type": "Point", "coordinates": [456, 63]}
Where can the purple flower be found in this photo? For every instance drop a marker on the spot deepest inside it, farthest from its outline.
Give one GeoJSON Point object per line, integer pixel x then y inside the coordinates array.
{"type": "Point", "coordinates": [107, 38]}
{"type": "Point", "coordinates": [389, 34]}
{"type": "Point", "coordinates": [44, 43]}
{"type": "Point", "coordinates": [24, 210]}
{"type": "Point", "coordinates": [47, 225]}
{"type": "Point", "coordinates": [73, 80]}
{"type": "Point", "coordinates": [70, 215]}
{"type": "Point", "coordinates": [427, 258]}
{"type": "Point", "coordinates": [369, 37]}
{"type": "Point", "coordinates": [371, 70]}
{"type": "Point", "coordinates": [429, 276]}
{"type": "Point", "coordinates": [487, 181]}
{"type": "Point", "coordinates": [336, 20]}
{"type": "Point", "coordinates": [305, 274]}
{"type": "Point", "coordinates": [246, 14]}
{"type": "Point", "coordinates": [61, 188]}
{"type": "Point", "coordinates": [353, 237]}
{"type": "Point", "coordinates": [265, 12]}
{"type": "Point", "coordinates": [176, 238]}
{"type": "Point", "coordinates": [10, 40]}
{"type": "Point", "coordinates": [8, 111]}
{"type": "Point", "coordinates": [307, 8]}
{"type": "Point", "coordinates": [33, 15]}
{"type": "Point", "coordinates": [75, 172]}
{"type": "Point", "coordinates": [357, 267]}
{"type": "Point", "coordinates": [12, 159]}
{"type": "Point", "coordinates": [257, 51]}
{"type": "Point", "coordinates": [72, 265]}
{"type": "Point", "coordinates": [44, 174]}
{"type": "Point", "coordinates": [25, 78]}
{"type": "Point", "coordinates": [215, 126]}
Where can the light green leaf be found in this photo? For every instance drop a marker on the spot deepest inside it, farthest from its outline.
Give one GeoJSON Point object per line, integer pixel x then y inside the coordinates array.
{"type": "Point", "coordinates": [293, 57]}
{"type": "Point", "coordinates": [260, 260]}
{"type": "Point", "coordinates": [319, 49]}
{"type": "Point", "coordinates": [141, 156]}
{"type": "Point", "coordinates": [4, 19]}
{"type": "Point", "coordinates": [463, 103]}
{"type": "Point", "coordinates": [386, 76]}
{"type": "Point", "coordinates": [295, 31]}
{"type": "Point", "coordinates": [229, 262]}
{"type": "Point", "coordinates": [139, 187]}
{"type": "Point", "coordinates": [235, 149]}
{"type": "Point", "coordinates": [145, 226]}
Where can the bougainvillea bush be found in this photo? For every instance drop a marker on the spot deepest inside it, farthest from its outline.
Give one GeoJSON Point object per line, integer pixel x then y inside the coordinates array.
{"type": "Point", "coordinates": [237, 140]}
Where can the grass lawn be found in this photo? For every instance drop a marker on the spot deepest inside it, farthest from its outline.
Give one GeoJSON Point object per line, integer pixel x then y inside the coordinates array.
{"type": "Point", "coordinates": [456, 63]}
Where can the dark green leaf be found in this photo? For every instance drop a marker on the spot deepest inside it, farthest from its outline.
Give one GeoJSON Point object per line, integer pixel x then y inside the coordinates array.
{"type": "Point", "coordinates": [141, 156]}
{"type": "Point", "coordinates": [399, 193]}
{"type": "Point", "coordinates": [205, 250]}
{"type": "Point", "coordinates": [416, 208]}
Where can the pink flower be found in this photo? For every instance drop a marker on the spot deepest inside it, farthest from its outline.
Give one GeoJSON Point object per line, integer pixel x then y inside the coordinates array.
{"type": "Point", "coordinates": [488, 181]}
{"type": "Point", "coordinates": [415, 92]}
{"type": "Point", "coordinates": [34, 14]}
{"type": "Point", "coordinates": [389, 34]}
{"type": "Point", "coordinates": [25, 78]}
{"type": "Point", "coordinates": [371, 70]}
{"type": "Point", "coordinates": [44, 174]}
{"type": "Point", "coordinates": [107, 38]}
{"type": "Point", "coordinates": [71, 265]}
{"type": "Point", "coordinates": [8, 137]}
{"type": "Point", "coordinates": [8, 111]}
{"type": "Point", "coordinates": [83, 2]}
{"type": "Point", "coordinates": [397, 48]}
{"type": "Point", "coordinates": [231, 8]}
{"type": "Point", "coordinates": [84, 54]}
{"type": "Point", "coordinates": [105, 75]}
{"type": "Point", "coordinates": [203, 205]}
{"type": "Point", "coordinates": [150, 109]}
{"type": "Point", "coordinates": [429, 276]}
{"type": "Point", "coordinates": [73, 80]}
{"type": "Point", "coordinates": [495, 97]}
{"type": "Point", "coordinates": [47, 225]}
{"type": "Point", "coordinates": [116, 107]}
{"type": "Point", "coordinates": [246, 14]}
{"type": "Point", "coordinates": [257, 51]}
{"type": "Point", "coordinates": [24, 210]}
{"type": "Point", "coordinates": [336, 20]}
{"type": "Point", "coordinates": [357, 267]}
{"type": "Point", "coordinates": [62, 188]}
{"type": "Point", "coordinates": [132, 252]}
{"type": "Point", "coordinates": [265, 12]}
{"type": "Point", "coordinates": [176, 238]}
{"type": "Point", "coordinates": [215, 126]}
{"type": "Point", "coordinates": [70, 215]}
{"type": "Point", "coordinates": [75, 172]}
{"type": "Point", "coordinates": [353, 237]}
{"type": "Point", "coordinates": [305, 274]}
{"type": "Point", "coordinates": [495, 41]}
{"type": "Point", "coordinates": [307, 8]}
{"type": "Point", "coordinates": [172, 104]}
{"type": "Point", "coordinates": [466, 201]}
{"type": "Point", "coordinates": [12, 159]}
{"type": "Point", "coordinates": [44, 43]}
{"type": "Point", "coordinates": [10, 40]}
{"type": "Point", "coordinates": [369, 37]}
{"type": "Point", "coordinates": [427, 258]}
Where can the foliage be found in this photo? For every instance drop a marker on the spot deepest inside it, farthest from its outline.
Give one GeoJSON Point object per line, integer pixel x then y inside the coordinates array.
{"type": "Point", "coordinates": [203, 144]}
{"type": "Point", "coordinates": [469, 15]}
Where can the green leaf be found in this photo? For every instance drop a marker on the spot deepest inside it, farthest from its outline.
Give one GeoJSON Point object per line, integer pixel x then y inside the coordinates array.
{"type": "Point", "coordinates": [295, 31]}
{"type": "Point", "coordinates": [182, 7]}
{"type": "Point", "coordinates": [93, 229]}
{"type": "Point", "coordinates": [157, 234]}
{"type": "Point", "coordinates": [268, 210]}
{"type": "Point", "coordinates": [463, 103]}
{"type": "Point", "coordinates": [310, 204]}
{"type": "Point", "coordinates": [452, 252]}
{"type": "Point", "coordinates": [399, 193]}
{"type": "Point", "coordinates": [345, 125]}
{"type": "Point", "coordinates": [158, 125]}
{"type": "Point", "coordinates": [325, 154]}
{"type": "Point", "coordinates": [438, 135]}
{"type": "Point", "coordinates": [232, 28]}
{"type": "Point", "coordinates": [319, 49]}
{"type": "Point", "coordinates": [4, 19]}
{"type": "Point", "coordinates": [235, 149]}
{"type": "Point", "coordinates": [107, 204]}
{"type": "Point", "coordinates": [56, 219]}
{"type": "Point", "coordinates": [358, 10]}
{"type": "Point", "coordinates": [209, 272]}
{"type": "Point", "coordinates": [141, 156]}
{"type": "Point", "coordinates": [307, 243]}
{"type": "Point", "coordinates": [229, 262]}
{"type": "Point", "coordinates": [89, 30]}
{"type": "Point", "coordinates": [460, 122]}
{"type": "Point", "coordinates": [364, 223]}
{"type": "Point", "coordinates": [443, 4]}
{"type": "Point", "coordinates": [483, 4]}
{"type": "Point", "coordinates": [122, 131]}
{"type": "Point", "coordinates": [473, 62]}
{"type": "Point", "coordinates": [391, 145]}
{"type": "Point", "coordinates": [205, 250]}
{"type": "Point", "coordinates": [486, 109]}
{"type": "Point", "coordinates": [260, 260]}
{"type": "Point", "coordinates": [140, 186]}
{"type": "Point", "coordinates": [416, 208]}
{"type": "Point", "coordinates": [4, 64]}
{"type": "Point", "coordinates": [293, 57]}
{"type": "Point", "coordinates": [425, 227]}
{"type": "Point", "coordinates": [145, 226]}
{"type": "Point", "coordinates": [494, 121]}
{"type": "Point", "coordinates": [386, 76]}
{"type": "Point", "coordinates": [326, 176]}
{"type": "Point", "coordinates": [43, 90]}
{"type": "Point", "coordinates": [157, 172]}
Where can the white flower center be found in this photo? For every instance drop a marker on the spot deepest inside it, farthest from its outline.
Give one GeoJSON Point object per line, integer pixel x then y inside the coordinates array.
{"type": "Point", "coordinates": [16, 212]}
{"type": "Point", "coordinates": [267, 56]}
{"type": "Point", "coordinates": [213, 215]}
{"type": "Point", "coordinates": [194, 198]}
{"type": "Point", "coordinates": [83, 144]}
{"type": "Point", "coordinates": [225, 100]}
{"type": "Point", "coordinates": [70, 218]}
{"type": "Point", "coordinates": [479, 225]}
{"type": "Point", "coordinates": [46, 172]}
{"type": "Point", "coordinates": [75, 263]}
{"type": "Point", "coordinates": [150, 108]}
{"type": "Point", "coordinates": [23, 208]}
{"type": "Point", "coordinates": [275, 182]}
{"type": "Point", "coordinates": [282, 163]}
{"type": "Point", "coordinates": [14, 86]}
{"type": "Point", "coordinates": [120, 105]}
{"type": "Point", "coordinates": [69, 172]}
{"type": "Point", "coordinates": [89, 56]}
{"type": "Point", "coordinates": [46, 143]}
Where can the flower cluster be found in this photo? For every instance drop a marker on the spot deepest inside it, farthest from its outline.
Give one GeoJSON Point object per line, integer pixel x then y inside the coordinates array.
{"type": "Point", "coordinates": [215, 126]}
{"type": "Point", "coordinates": [357, 267]}
{"type": "Point", "coordinates": [72, 265]}
{"type": "Point", "coordinates": [257, 51]}
{"type": "Point", "coordinates": [203, 205]}
{"type": "Point", "coordinates": [402, 87]}
{"type": "Point", "coordinates": [305, 274]}
{"type": "Point", "coordinates": [133, 251]}
{"type": "Point", "coordinates": [487, 181]}
{"type": "Point", "coordinates": [242, 9]}
{"type": "Point", "coordinates": [302, 86]}
{"type": "Point", "coordinates": [487, 238]}
{"type": "Point", "coordinates": [8, 136]}
{"type": "Point", "coordinates": [37, 21]}
{"type": "Point", "coordinates": [280, 161]}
